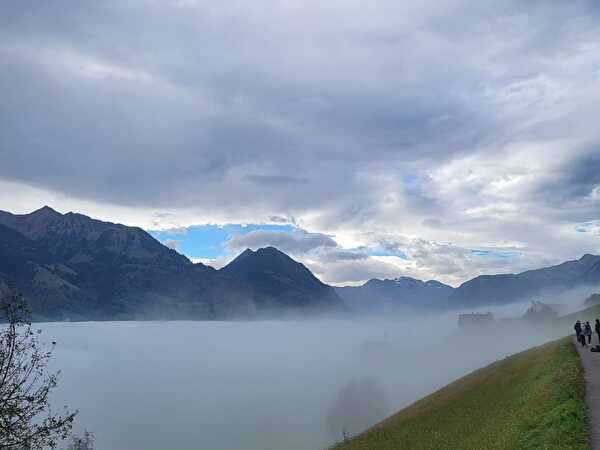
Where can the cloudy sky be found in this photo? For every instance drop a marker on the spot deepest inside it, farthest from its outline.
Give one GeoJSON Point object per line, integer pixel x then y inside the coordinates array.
{"type": "Point", "coordinates": [436, 139]}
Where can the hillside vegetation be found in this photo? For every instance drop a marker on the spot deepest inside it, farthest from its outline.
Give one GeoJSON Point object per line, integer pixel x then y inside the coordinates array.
{"type": "Point", "coordinates": [531, 400]}
{"type": "Point", "coordinates": [565, 323]}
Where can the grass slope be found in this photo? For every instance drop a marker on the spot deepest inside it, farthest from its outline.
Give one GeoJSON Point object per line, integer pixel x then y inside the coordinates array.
{"type": "Point", "coordinates": [531, 400]}
{"type": "Point", "coordinates": [590, 314]}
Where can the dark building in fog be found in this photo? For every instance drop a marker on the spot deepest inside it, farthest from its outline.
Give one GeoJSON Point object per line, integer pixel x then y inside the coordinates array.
{"type": "Point", "coordinates": [475, 320]}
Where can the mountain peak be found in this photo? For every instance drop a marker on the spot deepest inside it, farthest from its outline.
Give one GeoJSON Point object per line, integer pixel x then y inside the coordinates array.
{"type": "Point", "coordinates": [266, 251]}
{"type": "Point", "coordinates": [267, 260]}
{"type": "Point", "coordinates": [406, 281]}
{"type": "Point", "coordinates": [245, 254]}
{"type": "Point", "coordinates": [278, 280]}
{"type": "Point", "coordinates": [45, 210]}
{"type": "Point", "coordinates": [264, 255]}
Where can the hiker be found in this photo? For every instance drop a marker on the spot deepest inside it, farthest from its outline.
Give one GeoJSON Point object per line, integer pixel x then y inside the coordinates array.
{"type": "Point", "coordinates": [587, 330]}
{"type": "Point", "coordinates": [598, 329]}
{"type": "Point", "coordinates": [579, 333]}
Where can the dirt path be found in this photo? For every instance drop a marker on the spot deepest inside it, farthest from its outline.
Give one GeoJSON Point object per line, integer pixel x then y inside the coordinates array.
{"type": "Point", "coordinates": [591, 368]}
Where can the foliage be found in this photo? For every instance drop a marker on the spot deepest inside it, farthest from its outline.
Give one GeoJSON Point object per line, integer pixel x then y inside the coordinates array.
{"type": "Point", "coordinates": [27, 421]}
{"type": "Point", "coordinates": [85, 442]}
{"type": "Point", "coordinates": [532, 400]}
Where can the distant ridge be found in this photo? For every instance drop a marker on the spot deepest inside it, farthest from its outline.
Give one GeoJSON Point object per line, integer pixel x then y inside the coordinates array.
{"type": "Point", "coordinates": [402, 294]}
{"type": "Point", "coordinates": [73, 267]}
{"type": "Point", "coordinates": [506, 288]}
{"type": "Point", "coordinates": [407, 294]}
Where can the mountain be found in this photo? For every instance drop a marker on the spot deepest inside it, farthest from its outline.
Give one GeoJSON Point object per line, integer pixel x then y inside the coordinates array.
{"type": "Point", "coordinates": [407, 294]}
{"type": "Point", "coordinates": [279, 281]}
{"type": "Point", "coordinates": [25, 264]}
{"type": "Point", "coordinates": [70, 266]}
{"type": "Point", "coordinates": [506, 288]}
{"type": "Point", "coordinates": [402, 294]}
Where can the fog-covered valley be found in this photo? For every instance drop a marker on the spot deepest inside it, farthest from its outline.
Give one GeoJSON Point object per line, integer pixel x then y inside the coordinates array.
{"type": "Point", "coordinates": [233, 374]}
{"type": "Point", "coordinates": [259, 385]}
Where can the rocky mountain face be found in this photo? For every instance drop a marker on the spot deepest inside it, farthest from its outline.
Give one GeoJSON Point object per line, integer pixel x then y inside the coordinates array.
{"type": "Point", "coordinates": [70, 266]}
{"type": "Point", "coordinates": [279, 281]}
{"type": "Point", "coordinates": [547, 282]}
{"type": "Point", "coordinates": [402, 294]}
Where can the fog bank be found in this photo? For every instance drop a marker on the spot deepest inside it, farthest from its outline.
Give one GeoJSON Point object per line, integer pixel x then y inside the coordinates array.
{"type": "Point", "coordinates": [264, 385]}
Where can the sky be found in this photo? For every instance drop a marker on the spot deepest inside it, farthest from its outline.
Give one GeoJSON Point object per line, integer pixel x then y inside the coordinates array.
{"type": "Point", "coordinates": [436, 139]}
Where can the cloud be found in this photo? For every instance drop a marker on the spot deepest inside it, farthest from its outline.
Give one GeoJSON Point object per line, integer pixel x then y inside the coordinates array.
{"type": "Point", "coordinates": [462, 122]}
{"type": "Point", "coordinates": [339, 254]}
{"type": "Point", "coordinates": [171, 243]}
{"type": "Point", "coordinates": [575, 184]}
{"type": "Point", "coordinates": [274, 180]}
{"type": "Point", "coordinates": [354, 272]}
{"type": "Point", "coordinates": [592, 227]}
{"type": "Point", "coordinates": [298, 241]}
{"type": "Point", "coordinates": [176, 230]}
{"type": "Point", "coordinates": [453, 264]}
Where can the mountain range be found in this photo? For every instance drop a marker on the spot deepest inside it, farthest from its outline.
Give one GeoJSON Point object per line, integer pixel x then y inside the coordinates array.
{"type": "Point", "coordinates": [401, 294]}
{"type": "Point", "coordinates": [539, 283]}
{"type": "Point", "coordinates": [409, 295]}
{"type": "Point", "coordinates": [72, 267]}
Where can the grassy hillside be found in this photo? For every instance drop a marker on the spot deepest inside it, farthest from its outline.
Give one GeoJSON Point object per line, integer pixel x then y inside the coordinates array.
{"type": "Point", "coordinates": [532, 400]}
{"type": "Point", "coordinates": [566, 322]}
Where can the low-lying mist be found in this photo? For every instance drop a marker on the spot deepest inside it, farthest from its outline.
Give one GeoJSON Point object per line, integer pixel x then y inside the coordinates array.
{"type": "Point", "coordinates": [264, 385]}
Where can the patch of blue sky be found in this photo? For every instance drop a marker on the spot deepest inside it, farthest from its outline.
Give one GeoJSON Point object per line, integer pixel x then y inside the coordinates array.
{"type": "Point", "coordinates": [383, 252]}
{"type": "Point", "coordinates": [586, 227]}
{"type": "Point", "coordinates": [208, 241]}
{"type": "Point", "coordinates": [495, 253]}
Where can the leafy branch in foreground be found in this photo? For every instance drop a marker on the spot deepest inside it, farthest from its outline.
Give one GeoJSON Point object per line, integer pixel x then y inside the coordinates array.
{"type": "Point", "coordinates": [26, 418]}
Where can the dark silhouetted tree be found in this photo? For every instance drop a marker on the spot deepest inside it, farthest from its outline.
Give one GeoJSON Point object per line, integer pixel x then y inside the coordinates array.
{"type": "Point", "coordinates": [27, 421]}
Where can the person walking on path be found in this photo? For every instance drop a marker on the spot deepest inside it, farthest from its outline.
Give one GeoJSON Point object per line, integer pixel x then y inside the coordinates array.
{"type": "Point", "coordinates": [579, 332]}
{"type": "Point", "coordinates": [598, 329]}
{"type": "Point", "coordinates": [587, 330]}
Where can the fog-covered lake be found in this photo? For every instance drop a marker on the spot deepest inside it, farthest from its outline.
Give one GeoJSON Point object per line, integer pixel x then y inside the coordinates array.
{"type": "Point", "coordinates": [264, 385]}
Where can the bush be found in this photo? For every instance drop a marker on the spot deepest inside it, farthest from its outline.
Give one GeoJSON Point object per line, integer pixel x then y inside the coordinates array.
{"type": "Point", "coordinates": [26, 419]}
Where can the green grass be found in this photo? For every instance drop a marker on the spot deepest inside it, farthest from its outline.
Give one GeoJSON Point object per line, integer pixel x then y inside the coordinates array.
{"type": "Point", "coordinates": [532, 400]}
{"type": "Point", "coordinates": [565, 323]}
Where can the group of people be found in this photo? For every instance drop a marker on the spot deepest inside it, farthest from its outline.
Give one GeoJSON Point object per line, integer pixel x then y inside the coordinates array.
{"type": "Point", "coordinates": [584, 332]}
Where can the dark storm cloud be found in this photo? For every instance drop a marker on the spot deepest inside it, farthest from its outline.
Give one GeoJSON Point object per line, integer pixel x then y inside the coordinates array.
{"type": "Point", "coordinates": [574, 186]}
{"type": "Point", "coordinates": [581, 176]}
